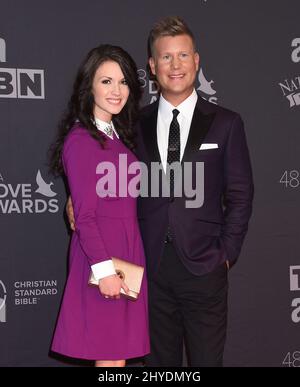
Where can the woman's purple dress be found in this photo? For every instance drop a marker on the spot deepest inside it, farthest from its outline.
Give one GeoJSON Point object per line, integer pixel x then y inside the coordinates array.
{"type": "Point", "coordinates": [90, 326]}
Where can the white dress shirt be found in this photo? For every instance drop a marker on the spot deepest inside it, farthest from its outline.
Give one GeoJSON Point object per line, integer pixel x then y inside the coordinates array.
{"type": "Point", "coordinates": [164, 118]}
{"type": "Point", "coordinates": [105, 268]}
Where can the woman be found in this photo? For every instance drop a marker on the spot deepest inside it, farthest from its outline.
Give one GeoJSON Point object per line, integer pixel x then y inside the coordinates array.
{"type": "Point", "coordinates": [95, 322]}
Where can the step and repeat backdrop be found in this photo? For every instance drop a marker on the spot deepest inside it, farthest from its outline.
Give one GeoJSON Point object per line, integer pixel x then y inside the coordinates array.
{"type": "Point", "coordinates": [250, 63]}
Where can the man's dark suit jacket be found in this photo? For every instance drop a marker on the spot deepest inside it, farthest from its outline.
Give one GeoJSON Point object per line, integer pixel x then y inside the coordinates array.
{"type": "Point", "coordinates": [204, 237]}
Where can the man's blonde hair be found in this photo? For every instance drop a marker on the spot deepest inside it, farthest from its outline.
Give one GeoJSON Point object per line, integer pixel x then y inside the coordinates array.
{"type": "Point", "coordinates": [169, 26]}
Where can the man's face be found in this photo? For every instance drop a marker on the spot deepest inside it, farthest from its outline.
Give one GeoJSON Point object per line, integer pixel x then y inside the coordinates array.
{"type": "Point", "coordinates": [175, 64]}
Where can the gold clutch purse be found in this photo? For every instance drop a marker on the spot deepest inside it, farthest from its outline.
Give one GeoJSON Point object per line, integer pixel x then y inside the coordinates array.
{"type": "Point", "coordinates": [130, 273]}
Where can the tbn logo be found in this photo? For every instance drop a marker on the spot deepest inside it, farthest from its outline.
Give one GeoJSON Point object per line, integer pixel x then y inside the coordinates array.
{"type": "Point", "coordinates": [20, 83]}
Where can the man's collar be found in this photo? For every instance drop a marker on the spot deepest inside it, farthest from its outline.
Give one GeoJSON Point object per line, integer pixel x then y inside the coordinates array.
{"type": "Point", "coordinates": [185, 108]}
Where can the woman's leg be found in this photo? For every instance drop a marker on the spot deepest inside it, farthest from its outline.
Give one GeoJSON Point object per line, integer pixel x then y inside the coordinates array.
{"type": "Point", "coordinates": [110, 363]}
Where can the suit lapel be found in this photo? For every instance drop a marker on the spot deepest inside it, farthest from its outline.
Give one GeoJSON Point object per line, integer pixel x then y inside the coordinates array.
{"type": "Point", "coordinates": [200, 125]}
{"type": "Point", "coordinates": [202, 119]}
{"type": "Point", "coordinates": [148, 125]}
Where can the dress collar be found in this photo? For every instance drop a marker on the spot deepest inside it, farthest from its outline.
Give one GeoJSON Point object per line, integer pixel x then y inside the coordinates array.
{"type": "Point", "coordinates": [106, 128]}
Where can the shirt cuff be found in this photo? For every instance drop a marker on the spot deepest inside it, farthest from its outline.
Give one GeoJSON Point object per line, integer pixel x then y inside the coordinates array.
{"type": "Point", "coordinates": [103, 269]}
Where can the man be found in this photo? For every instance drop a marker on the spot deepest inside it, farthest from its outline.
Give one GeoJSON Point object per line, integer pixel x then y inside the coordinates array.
{"type": "Point", "coordinates": [190, 249]}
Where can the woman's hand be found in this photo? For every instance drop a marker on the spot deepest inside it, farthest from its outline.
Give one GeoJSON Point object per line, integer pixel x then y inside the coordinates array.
{"type": "Point", "coordinates": [111, 286]}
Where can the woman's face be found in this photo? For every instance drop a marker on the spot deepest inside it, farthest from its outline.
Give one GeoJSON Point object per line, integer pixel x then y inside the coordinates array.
{"type": "Point", "coordinates": [110, 90]}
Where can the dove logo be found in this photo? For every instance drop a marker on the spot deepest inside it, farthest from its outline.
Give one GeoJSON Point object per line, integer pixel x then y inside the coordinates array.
{"type": "Point", "coordinates": [205, 87]}
{"type": "Point", "coordinates": [24, 198]}
{"type": "Point", "coordinates": [20, 83]}
{"type": "Point", "coordinates": [2, 302]}
{"type": "Point", "coordinates": [291, 90]}
{"type": "Point", "coordinates": [43, 187]}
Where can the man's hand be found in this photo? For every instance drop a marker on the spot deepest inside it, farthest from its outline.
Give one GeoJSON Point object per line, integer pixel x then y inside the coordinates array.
{"type": "Point", "coordinates": [70, 213]}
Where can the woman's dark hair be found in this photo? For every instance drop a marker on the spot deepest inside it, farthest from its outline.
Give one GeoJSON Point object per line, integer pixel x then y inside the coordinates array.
{"type": "Point", "coordinates": [81, 105]}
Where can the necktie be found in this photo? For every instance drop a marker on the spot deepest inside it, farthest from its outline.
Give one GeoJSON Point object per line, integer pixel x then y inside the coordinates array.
{"type": "Point", "coordinates": [173, 147]}
{"type": "Point", "coordinates": [173, 155]}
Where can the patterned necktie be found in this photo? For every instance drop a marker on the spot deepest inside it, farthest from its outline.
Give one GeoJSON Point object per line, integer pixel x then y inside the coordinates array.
{"type": "Point", "coordinates": [173, 155]}
{"type": "Point", "coordinates": [173, 147]}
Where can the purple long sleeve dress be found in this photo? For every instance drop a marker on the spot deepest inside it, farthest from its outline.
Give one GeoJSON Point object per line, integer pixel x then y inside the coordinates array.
{"type": "Point", "coordinates": [90, 326]}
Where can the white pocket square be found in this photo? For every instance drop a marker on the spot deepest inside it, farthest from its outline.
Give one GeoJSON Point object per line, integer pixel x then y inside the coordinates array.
{"type": "Point", "coordinates": [208, 146]}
